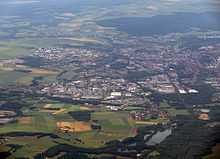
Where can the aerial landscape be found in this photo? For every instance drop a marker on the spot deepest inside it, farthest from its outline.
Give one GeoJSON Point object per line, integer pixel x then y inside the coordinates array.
{"type": "Point", "coordinates": [110, 79]}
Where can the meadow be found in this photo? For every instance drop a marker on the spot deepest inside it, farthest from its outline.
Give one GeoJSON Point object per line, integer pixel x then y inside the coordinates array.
{"type": "Point", "coordinates": [115, 126]}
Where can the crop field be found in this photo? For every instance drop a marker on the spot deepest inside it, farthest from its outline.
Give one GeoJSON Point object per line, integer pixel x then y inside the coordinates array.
{"type": "Point", "coordinates": [74, 127]}
{"type": "Point", "coordinates": [173, 111]}
{"type": "Point", "coordinates": [40, 122]}
{"type": "Point", "coordinates": [13, 48]}
{"type": "Point", "coordinates": [113, 121]}
{"type": "Point", "coordinates": [114, 125]}
{"type": "Point", "coordinates": [15, 77]}
{"type": "Point", "coordinates": [10, 76]}
{"type": "Point", "coordinates": [21, 47]}
{"type": "Point", "coordinates": [11, 52]}
{"type": "Point", "coordinates": [59, 108]}
{"type": "Point", "coordinates": [44, 122]}
{"type": "Point", "coordinates": [31, 145]}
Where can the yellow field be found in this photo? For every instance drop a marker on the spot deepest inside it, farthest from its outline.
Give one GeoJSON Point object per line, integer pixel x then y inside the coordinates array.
{"type": "Point", "coordinates": [34, 71]}
{"type": "Point", "coordinates": [37, 71]}
{"type": "Point", "coordinates": [74, 126]}
{"type": "Point", "coordinates": [84, 108]}
{"type": "Point", "coordinates": [46, 109]}
{"type": "Point", "coordinates": [47, 106]}
{"type": "Point", "coordinates": [25, 120]}
{"type": "Point", "coordinates": [59, 111]}
{"type": "Point", "coordinates": [146, 122]}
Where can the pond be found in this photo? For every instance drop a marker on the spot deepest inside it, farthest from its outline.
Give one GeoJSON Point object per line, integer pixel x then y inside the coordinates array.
{"type": "Point", "coordinates": [159, 137]}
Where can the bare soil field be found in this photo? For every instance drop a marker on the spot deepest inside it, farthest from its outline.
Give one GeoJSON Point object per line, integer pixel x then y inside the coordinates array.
{"type": "Point", "coordinates": [74, 126]}
{"type": "Point", "coordinates": [25, 120]}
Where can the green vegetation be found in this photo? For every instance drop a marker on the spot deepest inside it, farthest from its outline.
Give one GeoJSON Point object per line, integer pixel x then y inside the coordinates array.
{"type": "Point", "coordinates": [115, 125]}
{"type": "Point", "coordinates": [14, 48]}
{"type": "Point", "coordinates": [114, 121]}
{"type": "Point", "coordinates": [38, 122]}
{"type": "Point", "coordinates": [22, 34]}
{"type": "Point", "coordinates": [172, 110]}
{"type": "Point", "coordinates": [10, 77]}
{"type": "Point", "coordinates": [31, 145]}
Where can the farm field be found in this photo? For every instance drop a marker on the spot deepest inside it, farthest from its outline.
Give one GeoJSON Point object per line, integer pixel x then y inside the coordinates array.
{"type": "Point", "coordinates": [115, 126]}
{"type": "Point", "coordinates": [82, 79]}
{"type": "Point", "coordinates": [172, 110]}
{"type": "Point", "coordinates": [12, 77]}
{"type": "Point", "coordinates": [30, 146]}
{"type": "Point", "coordinates": [14, 48]}
{"type": "Point", "coordinates": [9, 75]}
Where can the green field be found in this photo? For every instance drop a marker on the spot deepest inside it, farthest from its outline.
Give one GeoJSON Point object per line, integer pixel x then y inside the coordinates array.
{"type": "Point", "coordinates": [10, 77]}
{"type": "Point", "coordinates": [25, 46]}
{"type": "Point", "coordinates": [14, 48]}
{"type": "Point", "coordinates": [31, 145]}
{"type": "Point", "coordinates": [115, 126]}
{"type": "Point", "coordinates": [113, 121]}
{"type": "Point", "coordinates": [40, 122]}
{"type": "Point", "coordinates": [15, 77]}
{"type": "Point", "coordinates": [172, 110]}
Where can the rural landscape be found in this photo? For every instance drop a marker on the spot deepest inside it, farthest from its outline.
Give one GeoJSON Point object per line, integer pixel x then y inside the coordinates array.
{"type": "Point", "coordinates": [113, 79]}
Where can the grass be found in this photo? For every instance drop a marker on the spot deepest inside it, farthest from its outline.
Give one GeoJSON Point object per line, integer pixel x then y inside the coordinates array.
{"type": "Point", "coordinates": [14, 77]}
{"type": "Point", "coordinates": [41, 122]}
{"type": "Point", "coordinates": [11, 52]}
{"type": "Point", "coordinates": [113, 121]}
{"type": "Point", "coordinates": [31, 145]}
{"type": "Point", "coordinates": [46, 122]}
{"type": "Point", "coordinates": [172, 110]}
{"type": "Point", "coordinates": [11, 77]}
{"type": "Point", "coordinates": [24, 46]}
{"type": "Point", "coordinates": [175, 112]}
{"type": "Point", "coordinates": [8, 77]}
{"type": "Point", "coordinates": [130, 108]}
{"type": "Point", "coordinates": [115, 125]}
{"type": "Point", "coordinates": [67, 107]}
{"type": "Point", "coordinates": [13, 48]}
{"type": "Point", "coordinates": [153, 121]}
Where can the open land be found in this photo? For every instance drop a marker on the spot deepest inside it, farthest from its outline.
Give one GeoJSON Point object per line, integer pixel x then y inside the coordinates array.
{"type": "Point", "coordinates": [91, 83]}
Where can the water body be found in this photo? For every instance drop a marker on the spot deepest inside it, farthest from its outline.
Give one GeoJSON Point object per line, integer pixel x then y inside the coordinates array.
{"type": "Point", "coordinates": [165, 24]}
{"type": "Point", "coordinates": [159, 137]}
